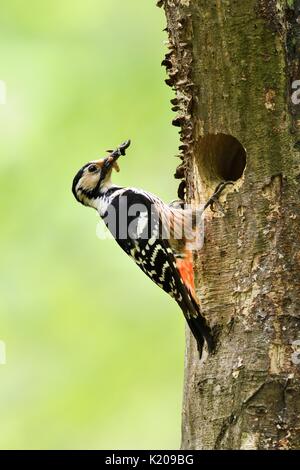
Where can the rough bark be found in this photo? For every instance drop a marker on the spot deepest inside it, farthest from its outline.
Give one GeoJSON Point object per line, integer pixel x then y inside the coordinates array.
{"type": "Point", "coordinates": [233, 65]}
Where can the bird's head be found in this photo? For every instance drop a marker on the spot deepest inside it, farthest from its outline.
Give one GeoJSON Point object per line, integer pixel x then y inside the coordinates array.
{"type": "Point", "coordinates": [94, 178]}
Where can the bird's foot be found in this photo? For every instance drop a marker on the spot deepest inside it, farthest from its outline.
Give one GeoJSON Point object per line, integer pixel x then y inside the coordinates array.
{"type": "Point", "coordinates": [214, 199]}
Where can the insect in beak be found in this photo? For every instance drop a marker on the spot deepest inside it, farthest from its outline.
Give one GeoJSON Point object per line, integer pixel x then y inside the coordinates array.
{"type": "Point", "coordinates": [111, 160]}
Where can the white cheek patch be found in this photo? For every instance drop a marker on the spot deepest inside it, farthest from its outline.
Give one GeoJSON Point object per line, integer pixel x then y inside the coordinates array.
{"type": "Point", "coordinates": [89, 181]}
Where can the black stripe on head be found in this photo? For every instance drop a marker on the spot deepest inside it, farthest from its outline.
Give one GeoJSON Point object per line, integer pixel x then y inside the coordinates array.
{"type": "Point", "coordinates": [76, 180]}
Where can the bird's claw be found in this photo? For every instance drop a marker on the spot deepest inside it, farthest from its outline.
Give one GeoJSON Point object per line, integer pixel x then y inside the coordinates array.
{"type": "Point", "coordinates": [214, 199]}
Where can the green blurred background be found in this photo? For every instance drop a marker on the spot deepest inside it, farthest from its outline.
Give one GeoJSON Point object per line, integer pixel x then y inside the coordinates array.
{"type": "Point", "coordinates": [94, 349]}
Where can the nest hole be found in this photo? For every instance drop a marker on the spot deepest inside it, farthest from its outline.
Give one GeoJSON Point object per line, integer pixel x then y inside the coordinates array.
{"type": "Point", "coordinates": [221, 157]}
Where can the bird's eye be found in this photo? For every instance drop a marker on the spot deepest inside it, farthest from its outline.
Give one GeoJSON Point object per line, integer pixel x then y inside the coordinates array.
{"type": "Point", "coordinates": [92, 168]}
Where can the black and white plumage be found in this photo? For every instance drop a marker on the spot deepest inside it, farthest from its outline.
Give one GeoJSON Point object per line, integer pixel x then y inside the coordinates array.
{"type": "Point", "coordinates": [148, 231]}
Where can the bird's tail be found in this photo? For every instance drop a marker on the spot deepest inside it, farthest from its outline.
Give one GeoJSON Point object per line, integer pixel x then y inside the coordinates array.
{"type": "Point", "coordinates": [198, 326]}
{"type": "Point", "coordinates": [201, 333]}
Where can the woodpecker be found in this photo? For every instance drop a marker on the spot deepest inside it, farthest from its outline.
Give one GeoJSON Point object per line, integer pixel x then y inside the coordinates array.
{"type": "Point", "coordinates": [150, 232]}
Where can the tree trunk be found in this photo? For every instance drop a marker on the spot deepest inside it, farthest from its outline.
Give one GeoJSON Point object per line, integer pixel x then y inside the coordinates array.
{"type": "Point", "coordinates": [235, 68]}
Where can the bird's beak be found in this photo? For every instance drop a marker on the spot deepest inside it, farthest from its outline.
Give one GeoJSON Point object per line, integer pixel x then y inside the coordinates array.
{"type": "Point", "coordinates": [107, 164]}
{"type": "Point", "coordinates": [111, 161]}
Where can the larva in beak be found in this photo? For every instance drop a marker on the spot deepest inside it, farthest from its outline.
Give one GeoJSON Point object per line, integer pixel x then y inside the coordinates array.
{"type": "Point", "coordinates": [116, 167]}
{"type": "Point", "coordinates": [113, 162]}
